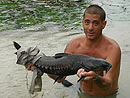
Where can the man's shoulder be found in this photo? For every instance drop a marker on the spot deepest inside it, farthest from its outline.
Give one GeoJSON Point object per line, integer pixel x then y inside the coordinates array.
{"type": "Point", "coordinates": [113, 52]}
{"type": "Point", "coordinates": [74, 44]}
{"type": "Point", "coordinates": [76, 41]}
{"type": "Point", "coordinates": [112, 44]}
{"type": "Point", "coordinates": [79, 37]}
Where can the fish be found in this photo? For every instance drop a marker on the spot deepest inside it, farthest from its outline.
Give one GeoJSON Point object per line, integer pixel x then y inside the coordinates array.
{"type": "Point", "coordinates": [61, 64]}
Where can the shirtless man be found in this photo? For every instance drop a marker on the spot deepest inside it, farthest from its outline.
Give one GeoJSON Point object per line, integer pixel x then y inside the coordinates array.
{"type": "Point", "coordinates": [95, 44]}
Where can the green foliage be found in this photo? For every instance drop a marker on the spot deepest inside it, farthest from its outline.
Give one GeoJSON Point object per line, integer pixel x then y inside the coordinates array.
{"type": "Point", "coordinates": [16, 14]}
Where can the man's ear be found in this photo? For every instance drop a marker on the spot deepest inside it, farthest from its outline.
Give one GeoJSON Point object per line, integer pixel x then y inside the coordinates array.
{"type": "Point", "coordinates": [104, 24]}
{"type": "Point", "coordinates": [16, 45]}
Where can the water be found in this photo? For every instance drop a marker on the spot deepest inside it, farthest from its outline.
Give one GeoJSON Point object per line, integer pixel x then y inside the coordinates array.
{"type": "Point", "coordinates": [14, 79]}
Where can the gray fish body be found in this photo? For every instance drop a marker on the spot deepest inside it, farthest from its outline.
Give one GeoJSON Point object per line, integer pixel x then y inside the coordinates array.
{"type": "Point", "coordinates": [69, 64]}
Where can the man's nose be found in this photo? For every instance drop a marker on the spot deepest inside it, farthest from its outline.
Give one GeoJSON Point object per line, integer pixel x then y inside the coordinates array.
{"type": "Point", "coordinates": [90, 27]}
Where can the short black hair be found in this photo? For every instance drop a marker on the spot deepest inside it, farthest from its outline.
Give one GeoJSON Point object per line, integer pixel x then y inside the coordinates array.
{"type": "Point", "coordinates": [95, 9]}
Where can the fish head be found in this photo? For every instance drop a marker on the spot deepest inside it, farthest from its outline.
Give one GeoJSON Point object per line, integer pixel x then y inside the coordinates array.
{"type": "Point", "coordinates": [108, 66]}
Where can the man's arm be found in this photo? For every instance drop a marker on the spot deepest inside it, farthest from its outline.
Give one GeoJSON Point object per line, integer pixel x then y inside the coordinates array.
{"type": "Point", "coordinates": [106, 81]}
{"type": "Point", "coordinates": [112, 75]}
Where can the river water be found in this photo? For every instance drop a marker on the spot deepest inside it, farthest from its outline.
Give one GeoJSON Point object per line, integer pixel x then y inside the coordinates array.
{"type": "Point", "coordinates": [14, 79]}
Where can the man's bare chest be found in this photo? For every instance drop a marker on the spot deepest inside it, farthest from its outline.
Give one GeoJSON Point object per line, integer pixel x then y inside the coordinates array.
{"type": "Point", "coordinates": [99, 53]}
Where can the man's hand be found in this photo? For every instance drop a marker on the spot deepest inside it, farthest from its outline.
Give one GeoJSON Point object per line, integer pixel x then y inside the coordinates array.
{"type": "Point", "coordinates": [88, 75]}
{"type": "Point", "coordinates": [29, 66]}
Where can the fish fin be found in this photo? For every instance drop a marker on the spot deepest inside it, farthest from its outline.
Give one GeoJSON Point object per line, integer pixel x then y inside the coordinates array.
{"type": "Point", "coordinates": [82, 78]}
{"type": "Point", "coordinates": [16, 45]}
{"type": "Point", "coordinates": [58, 78]}
{"type": "Point", "coordinates": [32, 86]}
{"type": "Point", "coordinates": [87, 69]}
{"type": "Point", "coordinates": [36, 83]}
{"type": "Point", "coordinates": [59, 55]}
{"type": "Point", "coordinates": [66, 83]}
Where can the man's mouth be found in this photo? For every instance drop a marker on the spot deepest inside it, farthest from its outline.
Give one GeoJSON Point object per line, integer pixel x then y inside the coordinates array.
{"type": "Point", "coordinates": [90, 33]}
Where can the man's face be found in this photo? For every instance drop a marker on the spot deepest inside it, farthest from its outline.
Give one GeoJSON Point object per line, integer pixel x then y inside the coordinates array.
{"type": "Point", "coordinates": [93, 26]}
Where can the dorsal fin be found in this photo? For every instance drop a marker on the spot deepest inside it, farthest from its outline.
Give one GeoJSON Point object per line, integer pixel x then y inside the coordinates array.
{"type": "Point", "coordinates": [59, 55]}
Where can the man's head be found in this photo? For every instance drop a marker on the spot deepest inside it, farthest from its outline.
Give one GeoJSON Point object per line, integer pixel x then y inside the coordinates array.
{"type": "Point", "coordinates": [94, 22]}
{"type": "Point", "coordinates": [95, 9]}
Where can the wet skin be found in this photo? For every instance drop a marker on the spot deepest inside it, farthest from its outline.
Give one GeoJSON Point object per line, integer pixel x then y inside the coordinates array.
{"type": "Point", "coordinates": [95, 44]}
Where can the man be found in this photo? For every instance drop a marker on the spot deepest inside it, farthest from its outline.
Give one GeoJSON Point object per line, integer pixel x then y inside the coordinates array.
{"type": "Point", "coordinates": [95, 44]}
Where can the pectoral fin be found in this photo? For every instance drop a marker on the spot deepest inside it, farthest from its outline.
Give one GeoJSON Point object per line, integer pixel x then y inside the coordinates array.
{"type": "Point", "coordinates": [36, 83]}
{"type": "Point", "coordinates": [82, 78]}
{"type": "Point", "coordinates": [58, 78]}
{"type": "Point", "coordinates": [66, 83]}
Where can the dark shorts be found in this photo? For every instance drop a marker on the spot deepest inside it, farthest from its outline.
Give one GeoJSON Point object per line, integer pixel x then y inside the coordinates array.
{"type": "Point", "coordinates": [83, 95]}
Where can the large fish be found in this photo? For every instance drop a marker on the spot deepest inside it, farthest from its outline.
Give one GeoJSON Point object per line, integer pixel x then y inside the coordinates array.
{"type": "Point", "coordinates": [61, 64]}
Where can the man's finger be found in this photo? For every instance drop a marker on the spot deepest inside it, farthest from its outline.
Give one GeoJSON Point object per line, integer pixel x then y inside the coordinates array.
{"type": "Point", "coordinates": [80, 70]}
{"type": "Point", "coordinates": [29, 67]}
{"type": "Point", "coordinates": [104, 73]}
{"type": "Point", "coordinates": [32, 68]}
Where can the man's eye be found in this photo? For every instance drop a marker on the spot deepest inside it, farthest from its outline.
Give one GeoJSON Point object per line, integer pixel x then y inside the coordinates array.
{"type": "Point", "coordinates": [86, 22]}
{"type": "Point", "coordinates": [96, 23]}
